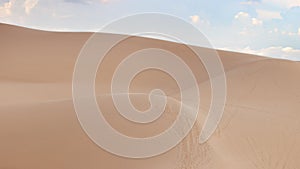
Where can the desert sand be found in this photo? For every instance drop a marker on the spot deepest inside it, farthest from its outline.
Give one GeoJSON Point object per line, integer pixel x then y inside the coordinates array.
{"type": "Point", "coordinates": [260, 128]}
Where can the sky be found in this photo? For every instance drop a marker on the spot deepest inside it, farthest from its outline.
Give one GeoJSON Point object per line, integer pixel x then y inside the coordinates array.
{"type": "Point", "coordinates": [262, 27]}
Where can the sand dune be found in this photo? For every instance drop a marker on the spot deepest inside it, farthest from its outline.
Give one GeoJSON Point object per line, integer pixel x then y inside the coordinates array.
{"type": "Point", "coordinates": [260, 127]}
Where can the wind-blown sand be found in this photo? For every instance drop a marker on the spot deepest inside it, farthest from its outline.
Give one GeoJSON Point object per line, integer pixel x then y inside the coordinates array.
{"type": "Point", "coordinates": [260, 127]}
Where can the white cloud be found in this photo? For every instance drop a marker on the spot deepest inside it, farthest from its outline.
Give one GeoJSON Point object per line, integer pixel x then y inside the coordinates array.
{"type": "Point", "coordinates": [285, 32]}
{"type": "Point", "coordinates": [5, 9]}
{"type": "Point", "coordinates": [106, 1]}
{"type": "Point", "coordinates": [250, 2]}
{"type": "Point", "coordinates": [29, 5]}
{"type": "Point", "coordinates": [245, 18]}
{"type": "Point", "coordinates": [256, 21]}
{"type": "Point", "coordinates": [268, 15]}
{"type": "Point", "coordinates": [283, 3]}
{"type": "Point", "coordinates": [195, 18]}
{"type": "Point", "coordinates": [242, 15]}
{"type": "Point", "coordinates": [16, 11]}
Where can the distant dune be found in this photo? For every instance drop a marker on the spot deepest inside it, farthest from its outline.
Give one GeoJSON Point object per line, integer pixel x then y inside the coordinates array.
{"type": "Point", "coordinates": [260, 127]}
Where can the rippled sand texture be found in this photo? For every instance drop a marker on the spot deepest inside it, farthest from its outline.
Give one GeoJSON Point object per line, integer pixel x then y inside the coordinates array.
{"type": "Point", "coordinates": [260, 127]}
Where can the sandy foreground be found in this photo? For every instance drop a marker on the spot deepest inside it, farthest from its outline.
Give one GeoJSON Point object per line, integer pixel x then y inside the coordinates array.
{"type": "Point", "coordinates": [39, 129]}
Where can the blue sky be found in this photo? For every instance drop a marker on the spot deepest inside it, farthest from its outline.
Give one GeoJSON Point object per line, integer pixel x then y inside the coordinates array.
{"type": "Point", "coordinates": [264, 27]}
